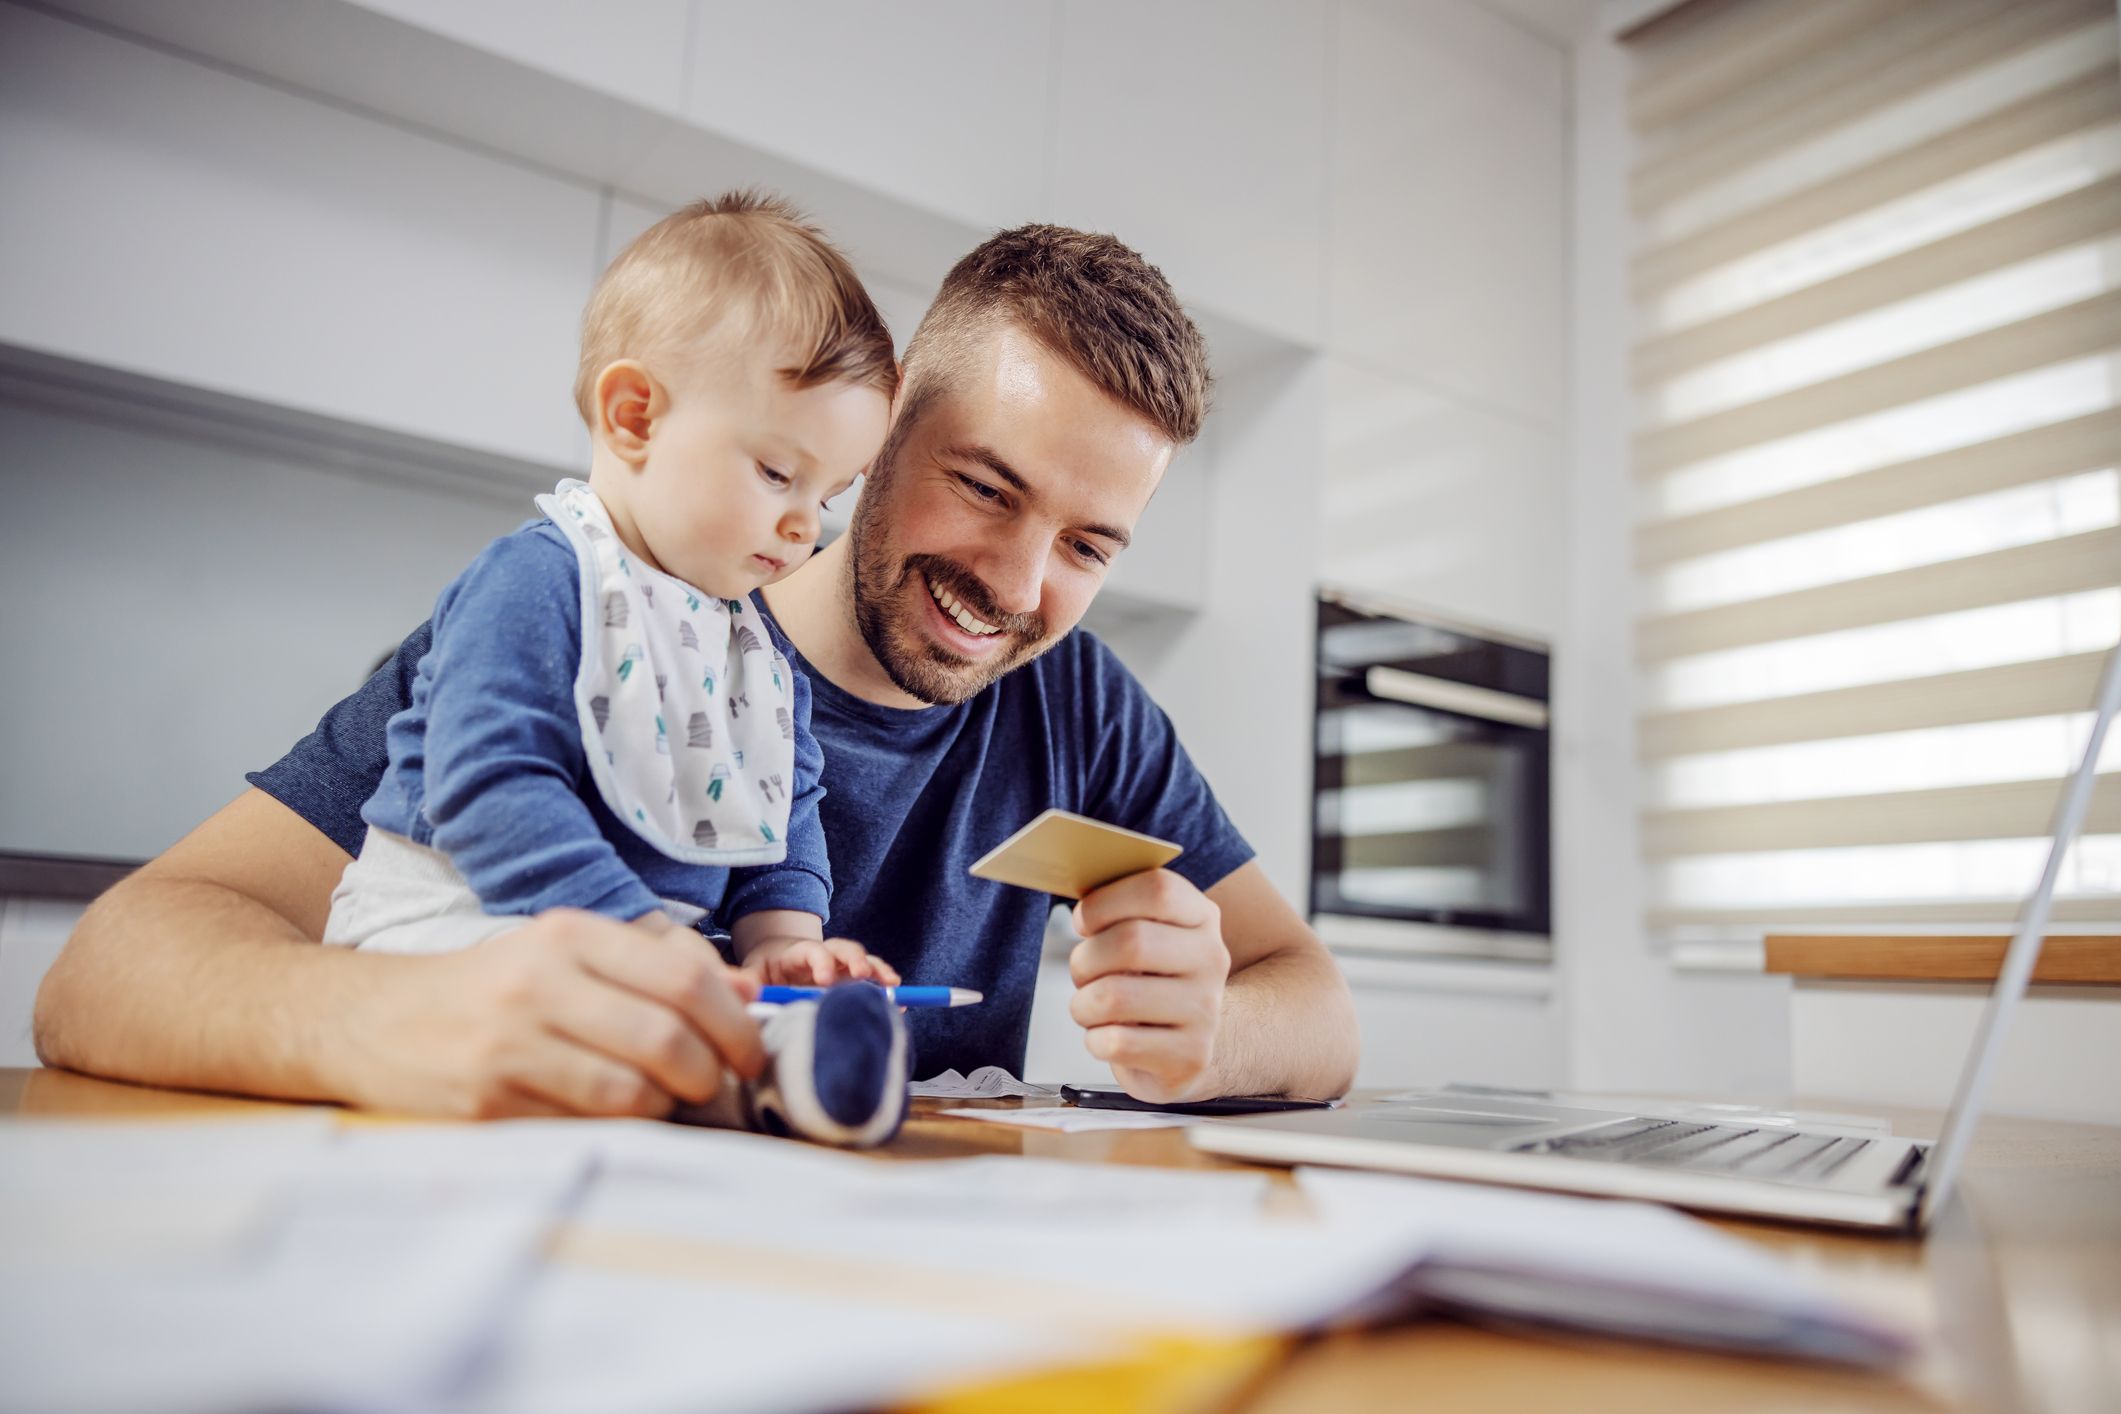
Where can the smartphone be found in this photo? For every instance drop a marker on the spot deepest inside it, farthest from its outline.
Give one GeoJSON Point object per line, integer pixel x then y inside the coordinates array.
{"type": "Point", "coordinates": [1103, 1097]}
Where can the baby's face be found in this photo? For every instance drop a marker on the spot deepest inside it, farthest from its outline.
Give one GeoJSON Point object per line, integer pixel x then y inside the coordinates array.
{"type": "Point", "coordinates": [739, 467]}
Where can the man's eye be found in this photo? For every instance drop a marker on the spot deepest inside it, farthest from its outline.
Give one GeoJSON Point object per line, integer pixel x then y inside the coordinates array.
{"type": "Point", "coordinates": [980, 488]}
{"type": "Point", "coordinates": [773, 478]}
{"type": "Point", "coordinates": [1088, 551]}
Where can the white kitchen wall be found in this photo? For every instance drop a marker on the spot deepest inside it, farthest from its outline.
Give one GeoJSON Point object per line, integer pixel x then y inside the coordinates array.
{"type": "Point", "coordinates": [1439, 502]}
{"type": "Point", "coordinates": [1197, 128]}
{"type": "Point", "coordinates": [944, 104]}
{"type": "Point", "coordinates": [1448, 313]}
{"type": "Point", "coordinates": [1905, 1045]}
{"type": "Point", "coordinates": [170, 220]}
{"type": "Point", "coordinates": [182, 610]}
{"type": "Point", "coordinates": [635, 49]}
{"type": "Point", "coordinates": [1450, 203]}
{"type": "Point", "coordinates": [388, 212]}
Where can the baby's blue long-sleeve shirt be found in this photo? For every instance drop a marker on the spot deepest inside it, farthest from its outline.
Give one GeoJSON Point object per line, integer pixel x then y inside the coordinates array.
{"type": "Point", "coordinates": [487, 765]}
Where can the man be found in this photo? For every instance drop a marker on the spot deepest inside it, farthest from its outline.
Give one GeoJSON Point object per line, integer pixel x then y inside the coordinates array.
{"type": "Point", "coordinates": [1044, 396]}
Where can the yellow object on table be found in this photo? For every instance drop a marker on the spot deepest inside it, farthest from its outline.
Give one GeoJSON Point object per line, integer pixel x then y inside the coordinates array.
{"type": "Point", "coordinates": [1170, 1376]}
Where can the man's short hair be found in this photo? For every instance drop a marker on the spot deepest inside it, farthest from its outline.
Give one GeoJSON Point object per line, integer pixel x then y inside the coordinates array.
{"type": "Point", "coordinates": [1092, 300]}
{"type": "Point", "coordinates": [741, 266]}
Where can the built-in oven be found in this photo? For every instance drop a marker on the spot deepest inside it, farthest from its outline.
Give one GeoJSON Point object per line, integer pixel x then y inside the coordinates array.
{"type": "Point", "coordinates": [1430, 791]}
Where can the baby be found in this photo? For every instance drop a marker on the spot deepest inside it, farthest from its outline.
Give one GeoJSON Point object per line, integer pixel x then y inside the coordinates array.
{"type": "Point", "coordinates": [603, 720]}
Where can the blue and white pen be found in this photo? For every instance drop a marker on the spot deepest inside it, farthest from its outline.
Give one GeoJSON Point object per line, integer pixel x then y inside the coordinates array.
{"type": "Point", "coordinates": [902, 996]}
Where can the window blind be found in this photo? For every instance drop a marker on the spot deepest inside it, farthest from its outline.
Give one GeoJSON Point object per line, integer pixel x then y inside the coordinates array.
{"type": "Point", "coordinates": [1877, 373]}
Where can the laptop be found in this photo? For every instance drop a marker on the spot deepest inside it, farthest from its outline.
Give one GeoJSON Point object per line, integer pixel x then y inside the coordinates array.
{"type": "Point", "coordinates": [1695, 1157]}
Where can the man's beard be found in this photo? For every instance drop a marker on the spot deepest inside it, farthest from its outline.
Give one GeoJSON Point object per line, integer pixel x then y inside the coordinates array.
{"type": "Point", "coordinates": [917, 665]}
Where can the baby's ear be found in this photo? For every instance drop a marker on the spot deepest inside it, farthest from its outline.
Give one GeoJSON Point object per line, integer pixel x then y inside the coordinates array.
{"type": "Point", "coordinates": [628, 401]}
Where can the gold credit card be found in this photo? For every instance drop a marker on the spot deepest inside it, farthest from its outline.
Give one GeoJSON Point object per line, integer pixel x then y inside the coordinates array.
{"type": "Point", "coordinates": [1071, 855]}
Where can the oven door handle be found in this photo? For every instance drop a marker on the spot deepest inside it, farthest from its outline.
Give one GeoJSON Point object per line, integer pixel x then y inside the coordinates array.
{"type": "Point", "coordinates": [1485, 703]}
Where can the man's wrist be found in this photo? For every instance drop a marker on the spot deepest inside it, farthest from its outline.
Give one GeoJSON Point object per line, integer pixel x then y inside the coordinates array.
{"type": "Point", "coordinates": [1211, 1084]}
{"type": "Point", "coordinates": [1216, 1078]}
{"type": "Point", "coordinates": [333, 1054]}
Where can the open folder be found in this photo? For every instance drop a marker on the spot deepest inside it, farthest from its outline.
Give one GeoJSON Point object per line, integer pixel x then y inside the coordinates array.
{"type": "Point", "coordinates": [625, 1266]}
{"type": "Point", "coordinates": [1627, 1270]}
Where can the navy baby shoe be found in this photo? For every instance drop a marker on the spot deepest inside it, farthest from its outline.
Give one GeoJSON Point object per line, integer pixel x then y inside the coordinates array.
{"type": "Point", "coordinates": [836, 1070]}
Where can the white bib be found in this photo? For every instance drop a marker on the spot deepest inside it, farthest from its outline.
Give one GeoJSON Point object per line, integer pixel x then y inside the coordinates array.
{"type": "Point", "coordinates": [687, 711]}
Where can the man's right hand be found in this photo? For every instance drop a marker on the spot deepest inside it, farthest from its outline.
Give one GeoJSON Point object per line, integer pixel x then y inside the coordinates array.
{"type": "Point", "coordinates": [572, 1013]}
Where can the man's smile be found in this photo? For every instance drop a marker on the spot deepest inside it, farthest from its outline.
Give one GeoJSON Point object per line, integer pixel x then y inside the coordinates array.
{"type": "Point", "coordinates": [964, 632]}
{"type": "Point", "coordinates": [962, 616]}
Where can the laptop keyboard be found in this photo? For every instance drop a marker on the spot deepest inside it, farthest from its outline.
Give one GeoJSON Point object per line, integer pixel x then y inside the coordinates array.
{"type": "Point", "coordinates": [1776, 1154]}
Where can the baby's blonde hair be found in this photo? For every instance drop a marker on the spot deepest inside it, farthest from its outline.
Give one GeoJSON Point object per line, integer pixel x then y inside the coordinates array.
{"type": "Point", "coordinates": [741, 266]}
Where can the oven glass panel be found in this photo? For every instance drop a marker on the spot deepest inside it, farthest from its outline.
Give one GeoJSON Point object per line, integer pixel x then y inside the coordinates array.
{"type": "Point", "coordinates": [1427, 813]}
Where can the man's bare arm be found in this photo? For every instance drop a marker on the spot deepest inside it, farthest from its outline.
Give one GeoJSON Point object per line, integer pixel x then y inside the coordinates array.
{"type": "Point", "coordinates": [1288, 1023]}
{"type": "Point", "coordinates": [193, 971]}
{"type": "Point", "coordinates": [202, 971]}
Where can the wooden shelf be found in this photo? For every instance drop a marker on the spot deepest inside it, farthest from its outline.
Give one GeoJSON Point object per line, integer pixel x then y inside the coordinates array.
{"type": "Point", "coordinates": [2092, 960]}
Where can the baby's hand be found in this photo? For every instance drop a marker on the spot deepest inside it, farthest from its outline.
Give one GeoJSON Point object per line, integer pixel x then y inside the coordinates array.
{"type": "Point", "coordinates": [809, 962]}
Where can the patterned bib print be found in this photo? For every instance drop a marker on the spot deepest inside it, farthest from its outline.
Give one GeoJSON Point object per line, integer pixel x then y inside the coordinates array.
{"type": "Point", "coordinates": [687, 711]}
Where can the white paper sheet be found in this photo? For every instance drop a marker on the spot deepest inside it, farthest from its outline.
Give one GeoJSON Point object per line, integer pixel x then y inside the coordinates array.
{"type": "Point", "coordinates": [1070, 1120]}
{"type": "Point", "coordinates": [967, 1192]}
{"type": "Point", "coordinates": [74, 1192]}
{"type": "Point", "coordinates": [707, 1270]}
{"type": "Point", "coordinates": [1627, 1268]}
{"type": "Point", "coordinates": [934, 1275]}
{"type": "Point", "coordinates": [365, 1277]}
{"type": "Point", "coordinates": [987, 1083]}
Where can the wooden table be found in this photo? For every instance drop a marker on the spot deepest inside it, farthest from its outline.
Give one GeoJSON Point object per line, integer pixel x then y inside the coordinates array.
{"type": "Point", "coordinates": [2020, 1285]}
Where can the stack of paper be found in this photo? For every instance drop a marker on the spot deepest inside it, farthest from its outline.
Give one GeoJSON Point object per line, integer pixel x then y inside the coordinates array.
{"type": "Point", "coordinates": [626, 1266]}
{"type": "Point", "coordinates": [1624, 1269]}
{"type": "Point", "coordinates": [722, 1271]}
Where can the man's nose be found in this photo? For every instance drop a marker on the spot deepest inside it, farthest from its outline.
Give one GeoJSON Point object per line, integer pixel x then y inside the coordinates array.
{"type": "Point", "coordinates": [1014, 571]}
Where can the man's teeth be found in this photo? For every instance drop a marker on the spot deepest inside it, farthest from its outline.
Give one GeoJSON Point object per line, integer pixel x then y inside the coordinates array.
{"type": "Point", "coordinates": [955, 610]}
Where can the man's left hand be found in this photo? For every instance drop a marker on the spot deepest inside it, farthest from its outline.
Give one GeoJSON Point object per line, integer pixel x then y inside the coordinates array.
{"type": "Point", "coordinates": [1149, 977]}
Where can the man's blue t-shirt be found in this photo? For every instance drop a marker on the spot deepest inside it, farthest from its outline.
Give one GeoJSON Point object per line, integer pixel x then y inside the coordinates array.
{"type": "Point", "coordinates": [912, 798]}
